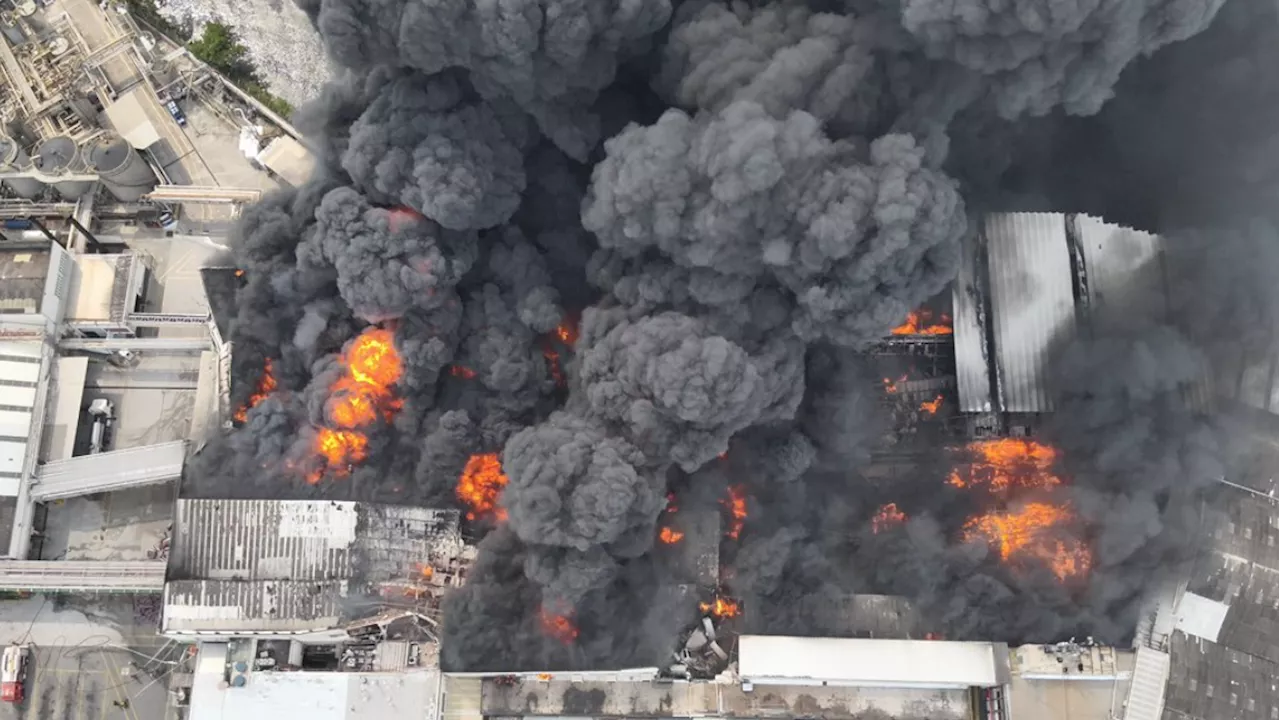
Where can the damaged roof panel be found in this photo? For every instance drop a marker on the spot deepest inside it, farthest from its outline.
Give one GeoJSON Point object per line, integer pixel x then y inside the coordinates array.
{"type": "Point", "coordinates": [973, 382]}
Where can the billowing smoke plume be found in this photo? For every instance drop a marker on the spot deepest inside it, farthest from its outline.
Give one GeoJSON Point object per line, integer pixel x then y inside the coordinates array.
{"type": "Point", "coordinates": [628, 249]}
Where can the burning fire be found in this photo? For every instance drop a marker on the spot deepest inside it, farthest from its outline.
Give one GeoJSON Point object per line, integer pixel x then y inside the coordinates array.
{"type": "Point", "coordinates": [459, 371]}
{"type": "Point", "coordinates": [888, 516]}
{"type": "Point", "coordinates": [891, 386]}
{"type": "Point", "coordinates": [239, 272]}
{"type": "Point", "coordinates": [358, 398]}
{"type": "Point", "coordinates": [567, 331]}
{"type": "Point", "coordinates": [737, 506]}
{"type": "Point", "coordinates": [266, 384]}
{"type": "Point", "coordinates": [560, 627]}
{"type": "Point", "coordinates": [931, 407]}
{"type": "Point", "coordinates": [1007, 463]}
{"type": "Point", "coordinates": [721, 608]}
{"type": "Point", "coordinates": [480, 485]}
{"type": "Point", "coordinates": [667, 536]}
{"type": "Point", "coordinates": [1029, 531]}
{"type": "Point", "coordinates": [920, 322]}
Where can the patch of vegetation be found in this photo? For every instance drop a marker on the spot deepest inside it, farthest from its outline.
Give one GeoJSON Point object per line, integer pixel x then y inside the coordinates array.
{"type": "Point", "coordinates": [145, 10]}
{"type": "Point", "coordinates": [221, 49]}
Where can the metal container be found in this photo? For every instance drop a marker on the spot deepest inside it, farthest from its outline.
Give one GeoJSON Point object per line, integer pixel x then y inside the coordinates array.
{"type": "Point", "coordinates": [13, 159]}
{"type": "Point", "coordinates": [119, 167]}
{"type": "Point", "coordinates": [59, 156]}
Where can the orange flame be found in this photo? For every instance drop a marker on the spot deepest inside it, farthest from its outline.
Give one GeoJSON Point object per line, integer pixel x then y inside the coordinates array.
{"type": "Point", "coordinates": [459, 371]}
{"type": "Point", "coordinates": [1007, 463]}
{"type": "Point", "coordinates": [362, 394]}
{"type": "Point", "coordinates": [545, 676]}
{"type": "Point", "coordinates": [920, 322]}
{"type": "Point", "coordinates": [426, 570]}
{"type": "Point", "coordinates": [887, 516]}
{"type": "Point", "coordinates": [931, 407]}
{"type": "Point", "coordinates": [891, 386]}
{"type": "Point", "coordinates": [239, 273]}
{"type": "Point", "coordinates": [670, 537]}
{"type": "Point", "coordinates": [559, 627]}
{"type": "Point", "coordinates": [721, 608]}
{"type": "Point", "coordinates": [266, 384]}
{"type": "Point", "coordinates": [737, 506]}
{"type": "Point", "coordinates": [567, 331]}
{"type": "Point", "coordinates": [1029, 531]}
{"type": "Point", "coordinates": [480, 485]}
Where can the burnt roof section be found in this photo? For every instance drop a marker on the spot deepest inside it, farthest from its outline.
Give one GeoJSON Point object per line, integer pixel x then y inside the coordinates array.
{"type": "Point", "coordinates": [292, 565]}
{"type": "Point", "coordinates": [220, 288]}
{"type": "Point", "coordinates": [23, 271]}
{"type": "Point", "coordinates": [1208, 680]}
{"type": "Point", "coordinates": [698, 561]}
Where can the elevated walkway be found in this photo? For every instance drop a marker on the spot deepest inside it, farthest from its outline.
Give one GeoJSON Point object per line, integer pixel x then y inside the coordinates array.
{"type": "Point", "coordinates": [109, 471]}
{"type": "Point", "coordinates": [145, 344]}
{"type": "Point", "coordinates": [143, 576]}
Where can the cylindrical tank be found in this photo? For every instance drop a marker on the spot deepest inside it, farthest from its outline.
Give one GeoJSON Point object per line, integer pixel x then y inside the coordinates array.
{"type": "Point", "coordinates": [13, 159]}
{"type": "Point", "coordinates": [59, 156]}
{"type": "Point", "coordinates": [120, 168]}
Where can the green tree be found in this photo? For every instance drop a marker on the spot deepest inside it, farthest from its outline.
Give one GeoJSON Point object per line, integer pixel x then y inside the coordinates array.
{"type": "Point", "coordinates": [220, 47]}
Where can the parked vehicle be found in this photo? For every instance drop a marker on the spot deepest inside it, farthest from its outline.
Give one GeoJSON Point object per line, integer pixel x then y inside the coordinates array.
{"type": "Point", "coordinates": [178, 116]}
{"type": "Point", "coordinates": [13, 672]}
{"type": "Point", "coordinates": [103, 413]}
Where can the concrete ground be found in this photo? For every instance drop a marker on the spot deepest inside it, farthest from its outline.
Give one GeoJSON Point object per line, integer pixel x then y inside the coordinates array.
{"type": "Point", "coordinates": [87, 654]}
{"type": "Point", "coordinates": [123, 525]}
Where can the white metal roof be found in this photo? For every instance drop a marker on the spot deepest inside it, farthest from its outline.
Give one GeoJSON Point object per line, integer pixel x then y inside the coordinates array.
{"type": "Point", "coordinates": [91, 289]}
{"type": "Point", "coordinates": [1200, 616]}
{"type": "Point", "coordinates": [21, 366]}
{"type": "Point", "coordinates": [68, 389]}
{"type": "Point", "coordinates": [1033, 305]}
{"type": "Point", "coordinates": [311, 695]}
{"type": "Point", "coordinates": [289, 159]}
{"type": "Point", "coordinates": [781, 659]}
{"type": "Point", "coordinates": [1123, 270]}
{"type": "Point", "coordinates": [131, 121]}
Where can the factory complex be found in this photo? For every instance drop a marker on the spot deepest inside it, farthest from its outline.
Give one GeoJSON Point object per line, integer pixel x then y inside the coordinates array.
{"type": "Point", "coordinates": [124, 160]}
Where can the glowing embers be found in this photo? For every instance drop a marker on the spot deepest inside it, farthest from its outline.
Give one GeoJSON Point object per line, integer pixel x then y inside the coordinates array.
{"type": "Point", "coordinates": [1035, 530]}
{"type": "Point", "coordinates": [459, 371]}
{"type": "Point", "coordinates": [563, 337]}
{"type": "Point", "coordinates": [920, 322]}
{"type": "Point", "coordinates": [722, 608]}
{"type": "Point", "coordinates": [266, 384]}
{"type": "Point", "coordinates": [558, 626]}
{"type": "Point", "coordinates": [480, 485]}
{"type": "Point", "coordinates": [1007, 463]}
{"type": "Point", "coordinates": [736, 504]}
{"type": "Point", "coordinates": [667, 536]}
{"type": "Point", "coordinates": [931, 407]}
{"type": "Point", "coordinates": [886, 517]}
{"type": "Point", "coordinates": [359, 398]}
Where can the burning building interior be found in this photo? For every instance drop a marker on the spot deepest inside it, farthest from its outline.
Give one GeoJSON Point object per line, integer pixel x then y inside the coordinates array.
{"type": "Point", "coordinates": [703, 344]}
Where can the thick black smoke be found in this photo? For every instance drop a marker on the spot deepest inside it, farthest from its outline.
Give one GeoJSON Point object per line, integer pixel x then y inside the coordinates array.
{"type": "Point", "coordinates": [734, 198]}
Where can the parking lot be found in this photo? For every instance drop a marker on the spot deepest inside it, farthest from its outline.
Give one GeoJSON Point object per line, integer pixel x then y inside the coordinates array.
{"type": "Point", "coordinates": [81, 683]}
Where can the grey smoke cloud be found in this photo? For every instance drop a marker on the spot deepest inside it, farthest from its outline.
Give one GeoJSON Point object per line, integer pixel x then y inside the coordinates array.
{"type": "Point", "coordinates": [773, 198]}
{"type": "Point", "coordinates": [741, 199]}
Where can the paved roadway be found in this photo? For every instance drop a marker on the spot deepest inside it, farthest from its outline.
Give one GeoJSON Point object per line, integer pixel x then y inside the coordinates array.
{"type": "Point", "coordinates": [81, 682]}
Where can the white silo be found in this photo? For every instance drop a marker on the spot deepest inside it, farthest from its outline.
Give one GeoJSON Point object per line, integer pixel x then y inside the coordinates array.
{"type": "Point", "coordinates": [119, 167]}
{"type": "Point", "coordinates": [13, 159]}
{"type": "Point", "coordinates": [59, 156]}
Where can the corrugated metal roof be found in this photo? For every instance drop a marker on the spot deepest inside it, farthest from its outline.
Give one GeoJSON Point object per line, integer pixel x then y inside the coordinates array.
{"type": "Point", "coordinates": [1200, 616]}
{"type": "Point", "coordinates": [232, 606]}
{"type": "Point", "coordinates": [1146, 688]}
{"type": "Point", "coordinates": [284, 565]}
{"type": "Point", "coordinates": [1123, 270]}
{"type": "Point", "coordinates": [973, 383]}
{"type": "Point", "coordinates": [1033, 306]}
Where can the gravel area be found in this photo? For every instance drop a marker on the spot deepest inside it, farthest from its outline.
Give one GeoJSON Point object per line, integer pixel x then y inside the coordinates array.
{"type": "Point", "coordinates": [280, 40]}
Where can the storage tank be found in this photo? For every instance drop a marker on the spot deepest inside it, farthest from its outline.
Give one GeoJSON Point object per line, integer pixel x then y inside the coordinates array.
{"type": "Point", "coordinates": [13, 159]}
{"type": "Point", "coordinates": [120, 168]}
{"type": "Point", "coordinates": [59, 156]}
